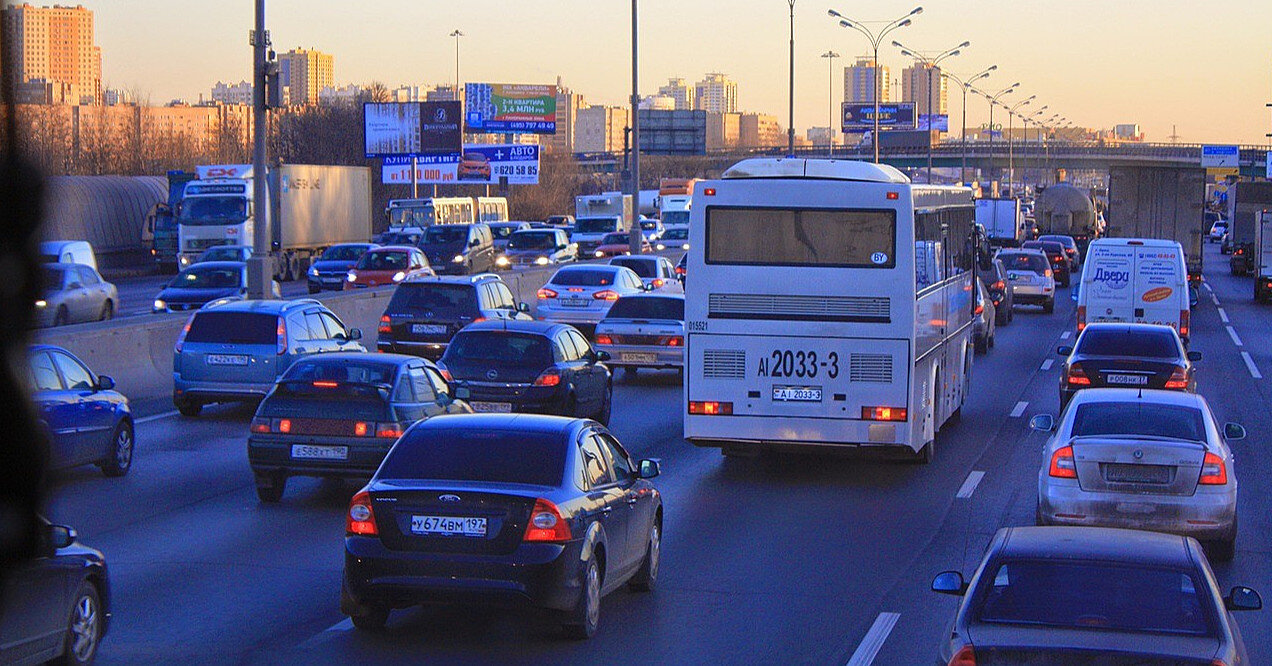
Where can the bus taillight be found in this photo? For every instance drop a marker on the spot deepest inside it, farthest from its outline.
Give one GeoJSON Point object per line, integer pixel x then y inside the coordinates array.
{"type": "Point", "coordinates": [883, 413]}
{"type": "Point", "coordinates": [710, 408]}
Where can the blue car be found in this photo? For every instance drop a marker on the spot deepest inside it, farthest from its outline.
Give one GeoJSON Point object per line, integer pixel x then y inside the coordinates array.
{"type": "Point", "coordinates": [203, 283]}
{"type": "Point", "coordinates": [88, 421]}
{"type": "Point", "coordinates": [329, 271]}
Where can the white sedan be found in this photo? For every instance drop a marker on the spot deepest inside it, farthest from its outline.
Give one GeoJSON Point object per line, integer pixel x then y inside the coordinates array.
{"type": "Point", "coordinates": [583, 294]}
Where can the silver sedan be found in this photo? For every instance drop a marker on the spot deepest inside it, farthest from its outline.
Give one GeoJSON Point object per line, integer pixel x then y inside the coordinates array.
{"type": "Point", "coordinates": [74, 293]}
{"type": "Point", "coordinates": [1141, 459]}
{"type": "Point", "coordinates": [644, 331]}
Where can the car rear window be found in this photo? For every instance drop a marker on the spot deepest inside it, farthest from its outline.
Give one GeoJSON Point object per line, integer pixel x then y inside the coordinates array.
{"type": "Point", "coordinates": [241, 328]}
{"type": "Point", "coordinates": [648, 307]}
{"type": "Point", "coordinates": [443, 300]}
{"type": "Point", "coordinates": [1020, 261]}
{"type": "Point", "coordinates": [641, 267]}
{"type": "Point", "coordinates": [614, 239]}
{"type": "Point", "coordinates": [1096, 419]}
{"type": "Point", "coordinates": [492, 456]}
{"type": "Point", "coordinates": [1122, 342]}
{"type": "Point", "coordinates": [1094, 595]}
{"type": "Point", "coordinates": [584, 278]}
{"type": "Point", "coordinates": [502, 347]}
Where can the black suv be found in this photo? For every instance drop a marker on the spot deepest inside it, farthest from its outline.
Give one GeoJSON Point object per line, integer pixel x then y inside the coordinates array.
{"type": "Point", "coordinates": [426, 312]}
{"type": "Point", "coordinates": [459, 249]}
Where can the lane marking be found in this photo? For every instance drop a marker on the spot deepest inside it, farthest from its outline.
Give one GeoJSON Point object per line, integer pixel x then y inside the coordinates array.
{"type": "Point", "coordinates": [969, 486]}
{"type": "Point", "coordinates": [327, 634]}
{"type": "Point", "coordinates": [343, 625]}
{"type": "Point", "coordinates": [1223, 315]}
{"type": "Point", "coordinates": [1232, 333]}
{"type": "Point", "coordinates": [873, 640]}
{"type": "Point", "coordinates": [1019, 409]}
{"type": "Point", "coordinates": [1215, 299]}
{"type": "Point", "coordinates": [1207, 286]}
{"type": "Point", "coordinates": [156, 417]}
{"type": "Point", "coordinates": [1046, 365]}
{"type": "Point", "coordinates": [1065, 335]}
{"type": "Point", "coordinates": [1254, 369]}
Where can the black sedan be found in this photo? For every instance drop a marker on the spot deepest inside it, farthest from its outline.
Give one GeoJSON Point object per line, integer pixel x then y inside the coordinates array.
{"type": "Point", "coordinates": [1056, 254]}
{"type": "Point", "coordinates": [529, 366]}
{"type": "Point", "coordinates": [1091, 595]}
{"type": "Point", "coordinates": [1000, 292]}
{"type": "Point", "coordinates": [336, 415]}
{"type": "Point", "coordinates": [1127, 356]}
{"type": "Point", "coordinates": [56, 606]}
{"type": "Point", "coordinates": [540, 511]}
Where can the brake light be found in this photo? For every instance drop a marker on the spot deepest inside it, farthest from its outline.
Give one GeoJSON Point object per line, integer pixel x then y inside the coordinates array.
{"type": "Point", "coordinates": [360, 429]}
{"type": "Point", "coordinates": [708, 191]}
{"type": "Point", "coordinates": [389, 430]}
{"type": "Point", "coordinates": [260, 425]}
{"type": "Point", "coordinates": [1062, 465]}
{"type": "Point", "coordinates": [1047, 273]}
{"type": "Point", "coordinates": [1213, 471]}
{"type": "Point", "coordinates": [966, 656]}
{"type": "Point", "coordinates": [1185, 319]}
{"type": "Point", "coordinates": [477, 320]}
{"type": "Point", "coordinates": [710, 408]}
{"type": "Point", "coordinates": [282, 336]}
{"type": "Point", "coordinates": [1081, 318]}
{"type": "Point", "coordinates": [182, 336]}
{"type": "Point", "coordinates": [680, 270]}
{"type": "Point", "coordinates": [549, 377]}
{"type": "Point", "coordinates": [883, 413]}
{"type": "Point", "coordinates": [1077, 376]}
{"type": "Point", "coordinates": [324, 384]}
{"type": "Point", "coordinates": [893, 196]}
{"type": "Point", "coordinates": [1000, 285]}
{"type": "Point", "coordinates": [980, 308]}
{"type": "Point", "coordinates": [546, 524]}
{"type": "Point", "coordinates": [284, 426]}
{"type": "Point", "coordinates": [384, 325]}
{"type": "Point", "coordinates": [544, 292]}
{"type": "Point", "coordinates": [606, 295]}
{"type": "Point", "coordinates": [361, 519]}
{"type": "Point", "coordinates": [604, 339]}
{"type": "Point", "coordinates": [672, 341]}
{"type": "Point", "coordinates": [445, 373]}
{"type": "Point", "coordinates": [1178, 379]}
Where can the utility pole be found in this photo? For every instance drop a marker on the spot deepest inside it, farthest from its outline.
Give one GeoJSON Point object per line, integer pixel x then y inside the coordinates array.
{"type": "Point", "coordinates": [830, 104]}
{"type": "Point", "coordinates": [259, 273]}
{"type": "Point", "coordinates": [790, 130]}
{"type": "Point", "coordinates": [634, 235]}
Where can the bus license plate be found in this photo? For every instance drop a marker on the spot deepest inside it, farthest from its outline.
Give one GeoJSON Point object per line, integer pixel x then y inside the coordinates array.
{"type": "Point", "coordinates": [797, 393]}
{"type": "Point", "coordinates": [448, 526]}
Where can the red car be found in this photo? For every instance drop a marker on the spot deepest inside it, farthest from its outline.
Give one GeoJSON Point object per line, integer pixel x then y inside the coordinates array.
{"type": "Point", "coordinates": [473, 166]}
{"type": "Point", "coordinates": [387, 265]}
{"type": "Point", "coordinates": [619, 243]}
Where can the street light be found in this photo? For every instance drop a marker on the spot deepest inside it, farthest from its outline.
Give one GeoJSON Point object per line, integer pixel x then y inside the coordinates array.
{"type": "Point", "coordinates": [1025, 157]}
{"type": "Point", "coordinates": [930, 64]}
{"type": "Point", "coordinates": [830, 103]}
{"type": "Point", "coordinates": [1011, 144]}
{"type": "Point", "coordinates": [875, 40]}
{"type": "Point", "coordinates": [993, 99]}
{"type": "Point", "coordinates": [790, 130]}
{"type": "Point", "coordinates": [456, 34]}
{"type": "Point", "coordinates": [965, 84]}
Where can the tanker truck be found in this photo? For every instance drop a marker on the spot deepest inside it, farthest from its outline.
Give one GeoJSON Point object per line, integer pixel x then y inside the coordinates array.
{"type": "Point", "coordinates": [1065, 210]}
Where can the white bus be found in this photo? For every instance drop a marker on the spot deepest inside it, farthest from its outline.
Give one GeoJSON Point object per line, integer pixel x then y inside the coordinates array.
{"type": "Point", "coordinates": [492, 209]}
{"type": "Point", "coordinates": [829, 304]}
{"type": "Point", "coordinates": [416, 214]}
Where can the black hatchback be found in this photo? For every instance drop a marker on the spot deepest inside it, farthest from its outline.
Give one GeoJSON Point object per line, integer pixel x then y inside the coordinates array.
{"type": "Point", "coordinates": [500, 509]}
{"type": "Point", "coordinates": [1127, 356]}
{"type": "Point", "coordinates": [529, 366]}
{"type": "Point", "coordinates": [426, 312]}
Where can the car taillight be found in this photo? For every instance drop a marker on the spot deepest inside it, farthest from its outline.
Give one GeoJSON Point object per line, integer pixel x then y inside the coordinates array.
{"type": "Point", "coordinates": [389, 430]}
{"type": "Point", "coordinates": [182, 336]}
{"type": "Point", "coordinates": [360, 429]}
{"type": "Point", "coordinates": [680, 270]}
{"type": "Point", "coordinates": [282, 425]}
{"type": "Point", "coordinates": [604, 339]}
{"type": "Point", "coordinates": [606, 295]}
{"type": "Point", "coordinates": [1062, 466]}
{"type": "Point", "coordinates": [546, 524]}
{"type": "Point", "coordinates": [1076, 376]}
{"type": "Point", "coordinates": [1185, 319]}
{"type": "Point", "coordinates": [260, 425]}
{"type": "Point", "coordinates": [1047, 273]}
{"type": "Point", "coordinates": [966, 656]}
{"type": "Point", "coordinates": [385, 325]}
{"type": "Point", "coordinates": [549, 377]}
{"type": "Point", "coordinates": [1081, 318]}
{"type": "Point", "coordinates": [477, 320]}
{"type": "Point", "coordinates": [980, 308]}
{"type": "Point", "coordinates": [1000, 285]}
{"type": "Point", "coordinates": [361, 519]}
{"type": "Point", "coordinates": [1178, 379]}
{"type": "Point", "coordinates": [446, 374]}
{"type": "Point", "coordinates": [672, 341]}
{"type": "Point", "coordinates": [710, 408]}
{"type": "Point", "coordinates": [282, 336]}
{"type": "Point", "coordinates": [1213, 471]}
{"type": "Point", "coordinates": [544, 292]}
{"type": "Point", "coordinates": [883, 413]}
{"type": "Point", "coordinates": [658, 282]}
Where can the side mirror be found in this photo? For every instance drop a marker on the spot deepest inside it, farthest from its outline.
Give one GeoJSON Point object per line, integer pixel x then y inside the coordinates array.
{"type": "Point", "coordinates": [1242, 598]}
{"type": "Point", "coordinates": [1194, 356]}
{"type": "Point", "coordinates": [949, 582]}
{"type": "Point", "coordinates": [1064, 351]}
{"type": "Point", "coordinates": [648, 468]}
{"type": "Point", "coordinates": [523, 307]}
{"type": "Point", "coordinates": [647, 286]}
{"type": "Point", "coordinates": [355, 334]}
{"type": "Point", "coordinates": [1234, 431]}
{"type": "Point", "coordinates": [1043, 422]}
{"type": "Point", "coordinates": [561, 247]}
{"type": "Point", "coordinates": [601, 355]}
{"type": "Point", "coordinates": [61, 536]}
{"type": "Point", "coordinates": [106, 383]}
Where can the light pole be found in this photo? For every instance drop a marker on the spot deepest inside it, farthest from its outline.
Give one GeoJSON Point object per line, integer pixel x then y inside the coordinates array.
{"type": "Point", "coordinates": [1024, 158]}
{"type": "Point", "coordinates": [830, 102]}
{"type": "Point", "coordinates": [258, 272]}
{"type": "Point", "coordinates": [875, 40]}
{"type": "Point", "coordinates": [634, 234]}
{"type": "Point", "coordinates": [930, 65]}
{"type": "Point", "coordinates": [457, 34]}
{"type": "Point", "coordinates": [993, 99]}
{"type": "Point", "coordinates": [790, 130]}
{"type": "Point", "coordinates": [965, 84]}
{"type": "Point", "coordinates": [1011, 144]}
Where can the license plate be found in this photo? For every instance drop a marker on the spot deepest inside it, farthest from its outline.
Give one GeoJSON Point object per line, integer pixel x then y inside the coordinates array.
{"type": "Point", "coordinates": [628, 357]}
{"type": "Point", "coordinates": [320, 452]}
{"type": "Point", "coordinates": [479, 406]}
{"type": "Point", "coordinates": [1137, 380]}
{"type": "Point", "coordinates": [449, 526]}
{"type": "Point", "coordinates": [797, 393]}
{"type": "Point", "coordinates": [225, 359]}
{"type": "Point", "coordinates": [1124, 473]}
{"type": "Point", "coordinates": [428, 329]}
{"type": "Point", "coordinates": [574, 302]}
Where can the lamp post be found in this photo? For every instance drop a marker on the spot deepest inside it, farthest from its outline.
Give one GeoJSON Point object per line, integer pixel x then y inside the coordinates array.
{"type": "Point", "coordinates": [1024, 177]}
{"type": "Point", "coordinates": [930, 65]}
{"type": "Point", "coordinates": [830, 102]}
{"type": "Point", "coordinates": [875, 40]}
{"type": "Point", "coordinates": [258, 271]}
{"type": "Point", "coordinates": [993, 99]}
{"type": "Point", "coordinates": [1011, 144]}
{"type": "Point", "coordinates": [965, 84]}
{"type": "Point", "coordinates": [790, 130]}
{"type": "Point", "coordinates": [634, 234]}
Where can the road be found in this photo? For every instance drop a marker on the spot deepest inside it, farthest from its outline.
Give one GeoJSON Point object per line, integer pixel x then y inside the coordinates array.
{"type": "Point", "coordinates": [807, 560]}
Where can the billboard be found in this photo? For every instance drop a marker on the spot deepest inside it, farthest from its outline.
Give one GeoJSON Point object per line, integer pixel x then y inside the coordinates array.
{"type": "Point", "coordinates": [859, 117]}
{"type": "Point", "coordinates": [1213, 157]}
{"type": "Point", "coordinates": [391, 128]}
{"type": "Point", "coordinates": [440, 130]}
{"type": "Point", "coordinates": [502, 108]}
{"type": "Point", "coordinates": [476, 165]}
{"type": "Point", "coordinates": [938, 122]}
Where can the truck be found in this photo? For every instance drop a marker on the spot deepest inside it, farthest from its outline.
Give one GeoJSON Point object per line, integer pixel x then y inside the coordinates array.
{"type": "Point", "coordinates": [598, 214]}
{"type": "Point", "coordinates": [675, 197]}
{"type": "Point", "coordinates": [159, 231]}
{"type": "Point", "coordinates": [1004, 225]}
{"type": "Point", "coordinates": [1160, 203]}
{"type": "Point", "coordinates": [1246, 199]}
{"type": "Point", "coordinates": [1263, 279]}
{"type": "Point", "coordinates": [1065, 210]}
{"type": "Point", "coordinates": [311, 208]}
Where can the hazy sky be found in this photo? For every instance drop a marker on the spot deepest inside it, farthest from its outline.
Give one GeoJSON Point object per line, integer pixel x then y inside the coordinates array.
{"type": "Point", "coordinates": [1204, 68]}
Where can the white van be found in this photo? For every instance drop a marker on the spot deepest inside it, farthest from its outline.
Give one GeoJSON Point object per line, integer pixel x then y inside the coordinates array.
{"type": "Point", "coordinates": [68, 252]}
{"type": "Point", "coordinates": [1140, 280]}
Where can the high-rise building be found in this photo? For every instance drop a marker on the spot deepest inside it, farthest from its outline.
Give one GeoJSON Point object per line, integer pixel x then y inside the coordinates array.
{"type": "Point", "coordinates": [716, 93]}
{"type": "Point", "coordinates": [117, 97]}
{"type": "Point", "coordinates": [232, 93]}
{"type": "Point", "coordinates": [682, 92]}
{"type": "Point", "coordinates": [723, 130]}
{"type": "Point", "coordinates": [600, 129]}
{"type": "Point", "coordinates": [54, 59]}
{"type": "Point", "coordinates": [860, 85]}
{"type": "Point", "coordinates": [567, 110]}
{"type": "Point", "coordinates": [759, 130]}
{"type": "Point", "coordinates": [916, 82]}
{"type": "Point", "coordinates": [1128, 132]}
{"type": "Point", "coordinates": [306, 72]}
{"type": "Point", "coordinates": [822, 136]}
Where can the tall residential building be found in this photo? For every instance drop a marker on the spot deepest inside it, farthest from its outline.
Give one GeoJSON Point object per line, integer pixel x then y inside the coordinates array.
{"type": "Point", "coordinates": [915, 82]}
{"type": "Point", "coordinates": [568, 105]}
{"type": "Point", "coordinates": [822, 136]}
{"type": "Point", "coordinates": [682, 92]}
{"type": "Point", "coordinates": [306, 72]}
{"type": "Point", "coordinates": [723, 130]}
{"type": "Point", "coordinates": [759, 130]}
{"type": "Point", "coordinates": [1128, 132]}
{"type": "Point", "coordinates": [600, 129]}
{"type": "Point", "coordinates": [716, 93]}
{"type": "Point", "coordinates": [859, 82]}
{"type": "Point", "coordinates": [54, 60]}
{"type": "Point", "coordinates": [232, 93]}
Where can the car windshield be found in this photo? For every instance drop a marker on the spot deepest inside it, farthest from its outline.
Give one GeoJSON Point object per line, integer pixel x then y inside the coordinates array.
{"type": "Point", "coordinates": [678, 233]}
{"type": "Point", "coordinates": [648, 307]}
{"type": "Point", "coordinates": [483, 456]}
{"type": "Point", "coordinates": [643, 267]}
{"type": "Point", "coordinates": [440, 299]}
{"type": "Point", "coordinates": [208, 277]}
{"type": "Point", "coordinates": [532, 240]}
{"type": "Point", "coordinates": [502, 347]}
{"type": "Point", "coordinates": [614, 239]}
{"type": "Point", "coordinates": [51, 279]}
{"type": "Point", "coordinates": [344, 253]}
{"type": "Point", "coordinates": [502, 230]}
{"type": "Point", "coordinates": [594, 225]}
{"type": "Point", "coordinates": [244, 328]}
{"type": "Point", "coordinates": [444, 234]}
{"type": "Point", "coordinates": [670, 217]}
{"type": "Point", "coordinates": [1095, 596]}
{"type": "Point", "coordinates": [383, 261]}
{"type": "Point", "coordinates": [1094, 419]}
{"type": "Point", "coordinates": [224, 254]}
{"type": "Point", "coordinates": [1021, 261]}
{"type": "Point", "coordinates": [400, 238]}
{"type": "Point", "coordinates": [1128, 342]}
{"type": "Point", "coordinates": [584, 277]}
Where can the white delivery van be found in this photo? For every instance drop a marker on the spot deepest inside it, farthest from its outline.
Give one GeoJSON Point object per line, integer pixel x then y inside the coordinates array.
{"type": "Point", "coordinates": [68, 252]}
{"type": "Point", "coordinates": [1141, 280]}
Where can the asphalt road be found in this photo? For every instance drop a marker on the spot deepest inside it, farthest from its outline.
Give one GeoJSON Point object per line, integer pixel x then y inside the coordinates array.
{"type": "Point", "coordinates": [794, 560]}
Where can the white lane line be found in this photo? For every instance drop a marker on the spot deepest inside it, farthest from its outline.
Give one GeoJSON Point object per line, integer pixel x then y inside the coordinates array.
{"type": "Point", "coordinates": [1019, 409]}
{"type": "Point", "coordinates": [1232, 333]}
{"type": "Point", "coordinates": [1223, 314]}
{"type": "Point", "coordinates": [969, 486]}
{"type": "Point", "coordinates": [1065, 335]}
{"type": "Point", "coordinates": [157, 417]}
{"type": "Point", "coordinates": [1215, 299]}
{"type": "Point", "coordinates": [1046, 365]}
{"type": "Point", "coordinates": [1207, 286]}
{"type": "Point", "coordinates": [1254, 369]}
{"type": "Point", "coordinates": [327, 634]}
{"type": "Point", "coordinates": [343, 625]}
{"type": "Point", "coordinates": [873, 641]}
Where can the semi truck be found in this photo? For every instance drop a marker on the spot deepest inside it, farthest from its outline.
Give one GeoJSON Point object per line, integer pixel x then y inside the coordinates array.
{"type": "Point", "coordinates": [1246, 200]}
{"type": "Point", "coordinates": [598, 214]}
{"type": "Point", "coordinates": [311, 208]}
{"type": "Point", "coordinates": [1003, 223]}
{"type": "Point", "coordinates": [1166, 204]}
{"type": "Point", "coordinates": [1263, 279]}
{"type": "Point", "coordinates": [159, 232]}
{"type": "Point", "coordinates": [1066, 210]}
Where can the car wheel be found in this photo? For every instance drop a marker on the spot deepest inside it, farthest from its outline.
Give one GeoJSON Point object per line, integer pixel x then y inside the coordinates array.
{"type": "Point", "coordinates": [314, 290]}
{"type": "Point", "coordinates": [647, 575]}
{"type": "Point", "coordinates": [585, 617]}
{"type": "Point", "coordinates": [603, 416]}
{"type": "Point", "coordinates": [121, 452]}
{"type": "Point", "coordinates": [373, 620]}
{"type": "Point", "coordinates": [993, 338]}
{"type": "Point", "coordinates": [269, 489]}
{"type": "Point", "coordinates": [190, 408]}
{"type": "Point", "coordinates": [1011, 313]}
{"type": "Point", "coordinates": [61, 318]}
{"type": "Point", "coordinates": [982, 344]}
{"type": "Point", "coordinates": [1223, 550]}
{"type": "Point", "coordinates": [1049, 306]}
{"type": "Point", "coordinates": [84, 628]}
{"type": "Point", "coordinates": [108, 310]}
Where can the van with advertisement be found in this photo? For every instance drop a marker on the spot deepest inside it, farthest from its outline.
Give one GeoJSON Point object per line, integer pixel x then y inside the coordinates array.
{"type": "Point", "coordinates": [1140, 280]}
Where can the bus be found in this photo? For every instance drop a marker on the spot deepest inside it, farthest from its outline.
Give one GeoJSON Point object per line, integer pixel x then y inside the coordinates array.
{"type": "Point", "coordinates": [492, 209]}
{"type": "Point", "coordinates": [405, 215]}
{"type": "Point", "coordinates": [829, 306]}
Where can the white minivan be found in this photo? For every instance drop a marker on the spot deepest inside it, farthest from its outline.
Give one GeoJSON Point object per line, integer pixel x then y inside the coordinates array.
{"type": "Point", "coordinates": [68, 252]}
{"type": "Point", "coordinates": [1141, 280]}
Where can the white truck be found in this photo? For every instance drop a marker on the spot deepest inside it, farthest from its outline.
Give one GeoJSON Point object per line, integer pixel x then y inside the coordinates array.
{"type": "Point", "coordinates": [1140, 280]}
{"type": "Point", "coordinates": [1263, 255]}
{"type": "Point", "coordinates": [596, 215]}
{"type": "Point", "coordinates": [1003, 222]}
{"type": "Point", "coordinates": [311, 208]}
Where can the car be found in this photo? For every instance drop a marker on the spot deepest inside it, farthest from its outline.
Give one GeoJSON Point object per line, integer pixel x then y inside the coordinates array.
{"type": "Point", "coordinates": [1225, 244]}
{"type": "Point", "coordinates": [331, 268]}
{"type": "Point", "coordinates": [400, 237]}
{"type": "Point", "coordinates": [1056, 254]}
{"type": "Point", "coordinates": [68, 252]}
{"type": "Point", "coordinates": [500, 509]}
{"type": "Point", "coordinates": [219, 253]}
{"type": "Point", "coordinates": [1135, 280]}
{"type": "Point", "coordinates": [538, 247]}
{"type": "Point", "coordinates": [59, 601]}
{"type": "Point", "coordinates": [1030, 277]}
{"type": "Point", "coordinates": [984, 320]}
{"type": "Point", "coordinates": [644, 331]}
{"type": "Point", "coordinates": [203, 283]}
{"type": "Point", "coordinates": [387, 264]}
{"type": "Point", "coordinates": [336, 415]}
{"type": "Point", "coordinates": [589, 232]}
{"type": "Point", "coordinates": [502, 231]}
{"type": "Point", "coordinates": [425, 313]}
{"type": "Point", "coordinates": [1127, 355]}
{"type": "Point", "coordinates": [560, 220]}
{"type": "Point", "coordinates": [1000, 292]}
{"type": "Point", "coordinates": [1141, 459]}
{"type": "Point", "coordinates": [473, 166]}
{"type": "Point", "coordinates": [73, 293]}
{"type": "Point", "coordinates": [618, 243]}
{"type": "Point", "coordinates": [1217, 230]}
{"type": "Point", "coordinates": [235, 351]}
{"type": "Point", "coordinates": [87, 420]}
{"type": "Point", "coordinates": [682, 268]}
{"type": "Point", "coordinates": [459, 249]}
{"type": "Point", "coordinates": [529, 366]}
{"type": "Point", "coordinates": [674, 237]}
{"type": "Point", "coordinates": [583, 294]}
{"type": "Point", "coordinates": [652, 229]}
{"type": "Point", "coordinates": [1092, 595]}
{"type": "Point", "coordinates": [1070, 248]}
{"type": "Point", "coordinates": [655, 272]}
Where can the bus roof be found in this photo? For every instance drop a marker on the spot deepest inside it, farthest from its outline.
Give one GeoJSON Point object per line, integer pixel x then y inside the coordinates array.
{"type": "Point", "coordinates": [793, 167]}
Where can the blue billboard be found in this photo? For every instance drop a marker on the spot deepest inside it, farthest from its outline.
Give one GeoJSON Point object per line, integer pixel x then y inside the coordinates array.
{"type": "Point", "coordinates": [859, 117]}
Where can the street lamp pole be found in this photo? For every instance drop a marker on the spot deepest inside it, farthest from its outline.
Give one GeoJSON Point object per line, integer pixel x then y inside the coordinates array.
{"type": "Point", "coordinates": [993, 99]}
{"type": "Point", "coordinates": [1011, 144]}
{"type": "Point", "coordinates": [634, 234]}
{"type": "Point", "coordinates": [258, 272]}
{"type": "Point", "coordinates": [830, 103]}
{"type": "Point", "coordinates": [874, 43]}
{"type": "Point", "coordinates": [930, 65]}
{"type": "Point", "coordinates": [965, 84]}
{"type": "Point", "coordinates": [790, 130]}
{"type": "Point", "coordinates": [1024, 156]}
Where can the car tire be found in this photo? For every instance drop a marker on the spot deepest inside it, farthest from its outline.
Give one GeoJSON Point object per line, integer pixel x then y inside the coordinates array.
{"type": "Point", "coordinates": [1049, 306]}
{"type": "Point", "coordinates": [273, 492]}
{"type": "Point", "coordinates": [647, 575]}
{"type": "Point", "coordinates": [61, 318]}
{"type": "Point", "coordinates": [189, 408]}
{"type": "Point", "coordinates": [83, 628]}
{"type": "Point", "coordinates": [607, 407]}
{"type": "Point", "coordinates": [993, 339]}
{"type": "Point", "coordinates": [582, 621]}
{"type": "Point", "coordinates": [373, 620]}
{"type": "Point", "coordinates": [108, 311]}
{"type": "Point", "coordinates": [982, 344]}
{"type": "Point", "coordinates": [123, 446]}
{"type": "Point", "coordinates": [1011, 313]}
{"type": "Point", "coordinates": [314, 290]}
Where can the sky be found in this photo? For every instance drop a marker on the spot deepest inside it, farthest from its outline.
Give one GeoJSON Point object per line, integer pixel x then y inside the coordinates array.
{"type": "Point", "coordinates": [1199, 70]}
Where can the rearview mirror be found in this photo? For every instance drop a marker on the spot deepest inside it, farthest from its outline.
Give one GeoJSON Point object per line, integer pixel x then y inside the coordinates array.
{"type": "Point", "coordinates": [949, 582]}
{"type": "Point", "coordinates": [1043, 422]}
{"type": "Point", "coordinates": [1242, 598]}
{"type": "Point", "coordinates": [355, 334]}
{"type": "Point", "coordinates": [1064, 351]}
{"type": "Point", "coordinates": [474, 242]}
{"type": "Point", "coordinates": [1234, 431]}
{"type": "Point", "coordinates": [1194, 356]}
{"type": "Point", "coordinates": [61, 536]}
{"type": "Point", "coordinates": [106, 383]}
{"type": "Point", "coordinates": [561, 247]}
{"type": "Point", "coordinates": [648, 468]}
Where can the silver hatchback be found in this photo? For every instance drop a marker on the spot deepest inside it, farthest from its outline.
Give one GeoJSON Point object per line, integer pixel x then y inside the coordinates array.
{"type": "Point", "coordinates": [644, 331]}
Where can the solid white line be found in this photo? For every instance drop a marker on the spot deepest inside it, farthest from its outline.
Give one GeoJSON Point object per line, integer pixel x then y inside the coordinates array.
{"type": "Point", "coordinates": [343, 625]}
{"type": "Point", "coordinates": [1046, 365]}
{"type": "Point", "coordinates": [1215, 299]}
{"type": "Point", "coordinates": [1020, 409]}
{"type": "Point", "coordinates": [1065, 335]}
{"type": "Point", "coordinates": [873, 640]}
{"type": "Point", "coordinates": [1223, 315]}
{"type": "Point", "coordinates": [157, 417]}
{"type": "Point", "coordinates": [1207, 286]}
{"type": "Point", "coordinates": [969, 486]}
{"type": "Point", "coordinates": [1254, 369]}
{"type": "Point", "coordinates": [1232, 333]}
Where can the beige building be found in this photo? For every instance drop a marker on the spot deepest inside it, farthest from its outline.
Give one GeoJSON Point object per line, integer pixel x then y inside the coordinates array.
{"type": "Point", "coordinates": [716, 93]}
{"type": "Point", "coordinates": [915, 82]}
{"type": "Point", "coordinates": [568, 104]}
{"type": "Point", "coordinates": [305, 72]}
{"type": "Point", "coordinates": [759, 130]}
{"type": "Point", "coordinates": [681, 92]}
{"type": "Point", "coordinates": [723, 130]}
{"type": "Point", "coordinates": [54, 59]}
{"type": "Point", "coordinates": [859, 82]}
{"type": "Point", "coordinates": [600, 129]}
{"type": "Point", "coordinates": [232, 93]}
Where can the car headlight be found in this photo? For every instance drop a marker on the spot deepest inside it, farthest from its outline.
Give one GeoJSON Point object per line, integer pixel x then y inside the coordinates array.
{"type": "Point", "coordinates": [685, 246]}
{"type": "Point", "coordinates": [660, 246]}
{"type": "Point", "coordinates": [351, 276]}
{"type": "Point", "coordinates": [41, 303]}
{"type": "Point", "coordinates": [459, 259]}
{"type": "Point", "coordinates": [160, 305]}
{"type": "Point", "coordinates": [502, 261]}
{"type": "Point", "coordinates": [599, 253]}
{"type": "Point", "coordinates": [542, 261]}
{"type": "Point", "coordinates": [313, 272]}
{"type": "Point", "coordinates": [399, 276]}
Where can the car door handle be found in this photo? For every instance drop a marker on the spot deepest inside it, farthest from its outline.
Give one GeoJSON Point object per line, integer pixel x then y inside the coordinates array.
{"type": "Point", "coordinates": [633, 499]}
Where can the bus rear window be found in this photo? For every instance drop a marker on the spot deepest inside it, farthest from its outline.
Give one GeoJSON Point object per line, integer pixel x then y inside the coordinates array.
{"type": "Point", "coordinates": [801, 237]}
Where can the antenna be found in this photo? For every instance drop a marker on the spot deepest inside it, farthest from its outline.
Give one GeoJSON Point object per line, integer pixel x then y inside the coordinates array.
{"type": "Point", "coordinates": [1174, 136]}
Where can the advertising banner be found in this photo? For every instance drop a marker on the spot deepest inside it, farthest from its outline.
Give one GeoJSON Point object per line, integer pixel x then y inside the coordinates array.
{"type": "Point", "coordinates": [391, 128]}
{"type": "Point", "coordinates": [939, 122]}
{"type": "Point", "coordinates": [859, 117]}
{"type": "Point", "coordinates": [1220, 156]}
{"type": "Point", "coordinates": [477, 165]}
{"type": "Point", "coordinates": [501, 108]}
{"type": "Point", "coordinates": [440, 128]}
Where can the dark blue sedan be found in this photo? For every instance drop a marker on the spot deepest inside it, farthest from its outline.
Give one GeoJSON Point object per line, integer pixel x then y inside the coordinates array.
{"type": "Point", "coordinates": [511, 509]}
{"type": "Point", "coordinates": [203, 283]}
{"type": "Point", "coordinates": [329, 271]}
{"type": "Point", "coordinates": [88, 421]}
